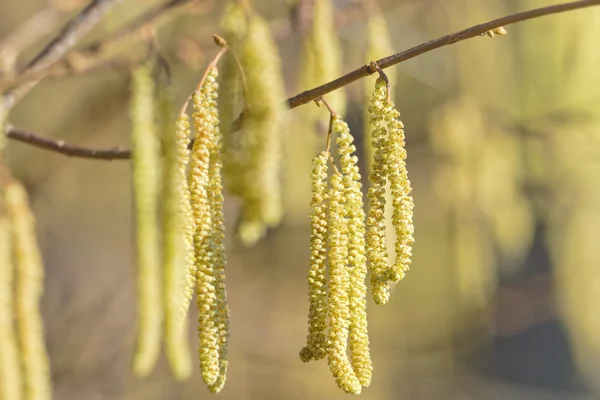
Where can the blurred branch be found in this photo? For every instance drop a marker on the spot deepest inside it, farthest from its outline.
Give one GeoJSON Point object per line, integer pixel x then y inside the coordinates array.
{"type": "Point", "coordinates": [33, 29]}
{"type": "Point", "coordinates": [313, 94]}
{"type": "Point", "coordinates": [94, 55]}
{"type": "Point", "coordinates": [60, 45]}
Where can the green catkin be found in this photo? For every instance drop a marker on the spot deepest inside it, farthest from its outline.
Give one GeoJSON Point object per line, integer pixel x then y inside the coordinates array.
{"type": "Point", "coordinates": [231, 97]}
{"type": "Point", "coordinates": [28, 291]}
{"type": "Point", "coordinates": [10, 366]}
{"type": "Point", "coordinates": [176, 257]}
{"type": "Point", "coordinates": [359, 336]}
{"type": "Point", "coordinates": [206, 123]}
{"type": "Point", "coordinates": [146, 157]}
{"type": "Point", "coordinates": [322, 55]}
{"type": "Point", "coordinates": [215, 190]}
{"type": "Point", "coordinates": [316, 342]}
{"type": "Point", "coordinates": [339, 281]}
{"type": "Point", "coordinates": [376, 236]}
{"type": "Point", "coordinates": [261, 139]}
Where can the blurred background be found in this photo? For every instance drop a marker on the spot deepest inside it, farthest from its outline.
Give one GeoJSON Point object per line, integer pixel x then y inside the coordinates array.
{"type": "Point", "coordinates": [504, 157]}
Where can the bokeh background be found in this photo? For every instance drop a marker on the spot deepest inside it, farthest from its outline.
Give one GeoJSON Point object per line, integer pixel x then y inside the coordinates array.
{"type": "Point", "coordinates": [504, 157]}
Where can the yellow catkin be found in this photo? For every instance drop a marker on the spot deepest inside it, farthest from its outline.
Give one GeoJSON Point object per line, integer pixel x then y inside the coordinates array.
{"type": "Point", "coordinates": [10, 366]}
{"type": "Point", "coordinates": [261, 139]}
{"type": "Point", "coordinates": [28, 291]}
{"type": "Point", "coordinates": [231, 97]}
{"type": "Point", "coordinates": [145, 162]}
{"type": "Point", "coordinates": [176, 257]}
{"type": "Point", "coordinates": [376, 228]}
{"type": "Point", "coordinates": [215, 191]}
{"type": "Point", "coordinates": [339, 281]}
{"type": "Point", "coordinates": [384, 118]}
{"type": "Point", "coordinates": [322, 55]}
{"type": "Point", "coordinates": [206, 123]}
{"type": "Point", "coordinates": [359, 336]}
{"type": "Point", "coordinates": [316, 342]}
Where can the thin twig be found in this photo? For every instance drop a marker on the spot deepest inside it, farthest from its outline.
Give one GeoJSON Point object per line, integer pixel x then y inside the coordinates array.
{"type": "Point", "coordinates": [310, 95]}
{"type": "Point", "coordinates": [70, 150]}
{"type": "Point", "coordinates": [477, 30]}
{"type": "Point", "coordinates": [74, 31]}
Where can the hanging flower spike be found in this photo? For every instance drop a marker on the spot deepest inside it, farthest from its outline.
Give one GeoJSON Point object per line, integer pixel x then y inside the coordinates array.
{"type": "Point", "coordinates": [206, 121]}
{"type": "Point", "coordinates": [359, 336]}
{"type": "Point", "coordinates": [146, 153]}
{"type": "Point", "coordinates": [316, 342]}
{"type": "Point", "coordinates": [219, 262]}
{"type": "Point", "coordinates": [339, 281]}
{"type": "Point", "coordinates": [376, 237]}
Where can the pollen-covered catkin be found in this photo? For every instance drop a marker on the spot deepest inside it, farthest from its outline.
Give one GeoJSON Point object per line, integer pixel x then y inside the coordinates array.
{"type": "Point", "coordinates": [206, 122]}
{"type": "Point", "coordinates": [28, 291]}
{"type": "Point", "coordinates": [176, 255]}
{"type": "Point", "coordinates": [375, 226]}
{"type": "Point", "coordinates": [146, 152]}
{"type": "Point", "coordinates": [215, 192]}
{"type": "Point", "coordinates": [261, 139]}
{"type": "Point", "coordinates": [357, 291]}
{"type": "Point", "coordinates": [10, 364]}
{"type": "Point", "coordinates": [316, 342]}
{"type": "Point", "coordinates": [339, 281]}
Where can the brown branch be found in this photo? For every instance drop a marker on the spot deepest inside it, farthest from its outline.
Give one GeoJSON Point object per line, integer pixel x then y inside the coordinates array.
{"type": "Point", "coordinates": [61, 44]}
{"type": "Point", "coordinates": [313, 94]}
{"type": "Point", "coordinates": [477, 30]}
{"type": "Point", "coordinates": [70, 150]}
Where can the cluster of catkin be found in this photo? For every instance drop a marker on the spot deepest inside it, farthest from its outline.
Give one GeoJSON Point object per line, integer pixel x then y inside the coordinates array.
{"type": "Point", "coordinates": [252, 86]}
{"type": "Point", "coordinates": [343, 239]}
{"type": "Point", "coordinates": [188, 186]}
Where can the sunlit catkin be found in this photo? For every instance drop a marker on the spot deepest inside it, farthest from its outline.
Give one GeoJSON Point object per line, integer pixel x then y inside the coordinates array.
{"type": "Point", "coordinates": [261, 139]}
{"type": "Point", "coordinates": [178, 257]}
{"type": "Point", "coordinates": [390, 156]}
{"type": "Point", "coordinates": [145, 161]}
{"type": "Point", "coordinates": [316, 342]}
{"type": "Point", "coordinates": [339, 285]}
{"type": "Point", "coordinates": [206, 122]}
{"type": "Point", "coordinates": [10, 365]}
{"type": "Point", "coordinates": [215, 192]}
{"type": "Point", "coordinates": [357, 291]}
{"type": "Point", "coordinates": [375, 225]}
{"type": "Point", "coordinates": [28, 291]}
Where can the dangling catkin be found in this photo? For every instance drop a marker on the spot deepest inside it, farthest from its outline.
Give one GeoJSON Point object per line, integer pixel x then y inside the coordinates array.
{"type": "Point", "coordinates": [359, 336]}
{"type": "Point", "coordinates": [215, 192]}
{"type": "Point", "coordinates": [206, 123]}
{"type": "Point", "coordinates": [316, 342]}
{"type": "Point", "coordinates": [28, 291]}
{"type": "Point", "coordinates": [390, 156]}
{"type": "Point", "coordinates": [10, 365]}
{"type": "Point", "coordinates": [339, 282]}
{"type": "Point", "coordinates": [261, 139]}
{"type": "Point", "coordinates": [376, 237]}
{"type": "Point", "coordinates": [231, 97]}
{"type": "Point", "coordinates": [145, 161]}
{"type": "Point", "coordinates": [179, 268]}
